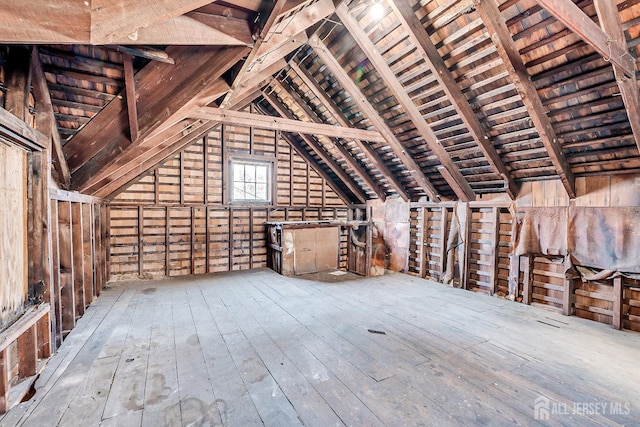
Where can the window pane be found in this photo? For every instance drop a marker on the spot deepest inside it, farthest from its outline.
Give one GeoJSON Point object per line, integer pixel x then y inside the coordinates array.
{"type": "Point", "coordinates": [238, 172]}
{"type": "Point", "coordinates": [261, 191]}
{"type": "Point", "coordinates": [261, 174]}
{"type": "Point", "coordinates": [251, 190]}
{"type": "Point", "coordinates": [250, 173]}
{"type": "Point", "coordinates": [237, 191]}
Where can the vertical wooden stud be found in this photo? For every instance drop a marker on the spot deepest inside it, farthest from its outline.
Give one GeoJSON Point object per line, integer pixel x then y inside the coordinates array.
{"type": "Point", "coordinates": [495, 239]}
{"type": "Point", "coordinates": [618, 303]}
{"type": "Point", "coordinates": [192, 247]}
{"type": "Point", "coordinates": [205, 162]}
{"type": "Point", "coordinates": [423, 243]}
{"type": "Point", "coordinates": [182, 177]}
{"type": "Point", "coordinates": [28, 353]}
{"type": "Point", "coordinates": [87, 253]}
{"type": "Point", "coordinates": [208, 239]}
{"type": "Point", "coordinates": [167, 241]}
{"type": "Point", "coordinates": [140, 241]}
{"type": "Point", "coordinates": [567, 297]}
{"type": "Point", "coordinates": [230, 239]}
{"type": "Point", "coordinates": [44, 337]}
{"type": "Point", "coordinates": [444, 212]}
{"type": "Point", "coordinates": [527, 283]}
{"type": "Point", "coordinates": [251, 237]}
{"type": "Point", "coordinates": [77, 249]}
{"type": "Point", "coordinates": [466, 250]}
{"type": "Point", "coordinates": [4, 381]}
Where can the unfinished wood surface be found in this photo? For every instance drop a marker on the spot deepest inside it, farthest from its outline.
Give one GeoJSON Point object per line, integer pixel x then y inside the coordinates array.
{"type": "Point", "coordinates": [254, 348]}
{"type": "Point", "coordinates": [13, 230]}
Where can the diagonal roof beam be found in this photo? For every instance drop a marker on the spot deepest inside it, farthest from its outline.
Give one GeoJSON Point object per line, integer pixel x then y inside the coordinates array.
{"type": "Point", "coordinates": [450, 171]}
{"type": "Point", "coordinates": [612, 26]}
{"type": "Point", "coordinates": [287, 23]}
{"type": "Point", "coordinates": [313, 163]}
{"type": "Point", "coordinates": [378, 122]}
{"type": "Point", "coordinates": [583, 26]}
{"type": "Point", "coordinates": [44, 107]}
{"type": "Point", "coordinates": [162, 90]}
{"type": "Point", "coordinates": [347, 180]}
{"type": "Point", "coordinates": [506, 48]}
{"type": "Point", "coordinates": [371, 153]}
{"type": "Point", "coordinates": [346, 155]}
{"type": "Point", "coordinates": [427, 50]}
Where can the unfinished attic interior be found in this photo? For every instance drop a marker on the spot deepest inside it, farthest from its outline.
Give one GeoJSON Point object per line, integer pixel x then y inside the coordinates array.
{"type": "Point", "coordinates": [319, 212]}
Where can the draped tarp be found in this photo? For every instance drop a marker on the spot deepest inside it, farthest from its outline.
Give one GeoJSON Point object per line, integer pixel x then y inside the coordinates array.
{"type": "Point", "coordinates": [605, 238]}
{"type": "Point", "coordinates": [541, 231]}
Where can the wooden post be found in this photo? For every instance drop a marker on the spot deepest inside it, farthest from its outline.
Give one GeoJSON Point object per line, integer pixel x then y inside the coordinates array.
{"type": "Point", "coordinates": [106, 238]}
{"type": "Point", "coordinates": [368, 249]}
{"type": "Point", "coordinates": [67, 294]}
{"type": "Point", "coordinates": [567, 297]}
{"type": "Point", "coordinates": [423, 244]}
{"type": "Point", "coordinates": [4, 381]}
{"type": "Point", "coordinates": [250, 238]}
{"type": "Point", "coordinates": [77, 249]}
{"type": "Point", "coordinates": [193, 240]}
{"type": "Point", "coordinates": [205, 162]}
{"type": "Point", "coordinates": [87, 253]}
{"type": "Point", "coordinates": [182, 177]}
{"type": "Point", "coordinates": [167, 242]}
{"type": "Point", "coordinates": [140, 241]}
{"type": "Point", "coordinates": [466, 250]}
{"type": "Point", "coordinates": [56, 298]}
{"type": "Point", "coordinates": [495, 237]}
{"type": "Point", "coordinates": [444, 233]}
{"type": "Point", "coordinates": [156, 186]}
{"type": "Point", "coordinates": [44, 337]}
{"type": "Point", "coordinates": [28, 353]}
{"type": "Point", "coordinates": [208, 239]}
{"type": "Point", "coordinates": [527, 284]}
{"type": "Point", "coordinates": [230, 239]}
{"type": "Point", "coordinates": [618, 303]}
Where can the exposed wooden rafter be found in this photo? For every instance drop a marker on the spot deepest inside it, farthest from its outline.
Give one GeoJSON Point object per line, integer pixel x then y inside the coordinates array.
{"type": "Point", "coordinates": [130, 88]}
{"type": "Point", "coordinates": [162, 90]}
{"type": "Point", "coordinates": [366, 148]}
{"type": "Point", "coordinates": [45, 120]}
{"type": "Point", "coordinates": [317, 149]}
{"type": "Point", "coordinates": [450, 171]}
{"type": "Point", "coordinates": [583, 26]}
{"type": "Point", "coordinates": [259, 121]}
{"type": "Point", "coordinates": [130, 22]}
{"type": "Point", "coordinates": [335, 142]}
{"type": "Point", "coordinates": [370, 112]}
{"type": "Point", "coordinates": [314, 164]}
{"type": "Point", "coordinates": [612, 26]}
{"type": "Point", "coordinates": [506, 48]}
{"type": "Point", "coordinates": [282, 32]}
{"type": "Point", "coordinates": [427, 50]}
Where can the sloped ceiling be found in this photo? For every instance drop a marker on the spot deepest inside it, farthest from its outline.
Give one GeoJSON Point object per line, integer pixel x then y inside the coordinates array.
{"type": "Point", "coordinates": [460, 97]}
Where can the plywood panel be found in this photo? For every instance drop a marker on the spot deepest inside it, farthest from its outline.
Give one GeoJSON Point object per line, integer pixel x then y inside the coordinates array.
{"type": "Point", "coordinates": [13, 229]}
{"type": "Point", "coordinates": [304, 251]}
{"type": "Point", "coordinates": [327, 247]}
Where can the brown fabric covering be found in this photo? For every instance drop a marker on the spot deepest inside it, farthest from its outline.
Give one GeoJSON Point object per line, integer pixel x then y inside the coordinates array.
{"type": "Point", "coordinates": [605, 238]}
{"type": "Point", "coordinates": [541, 231]}
{"type": "Point", "coordinates": [455, 247]}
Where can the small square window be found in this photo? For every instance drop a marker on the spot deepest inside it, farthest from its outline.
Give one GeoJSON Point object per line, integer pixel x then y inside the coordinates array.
{"type": "Point", "coordinates": [251, 181]}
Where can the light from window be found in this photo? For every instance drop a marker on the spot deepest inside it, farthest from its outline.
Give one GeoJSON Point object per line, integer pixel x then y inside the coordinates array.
{"type": "Point", "coordinates": [250, 182]}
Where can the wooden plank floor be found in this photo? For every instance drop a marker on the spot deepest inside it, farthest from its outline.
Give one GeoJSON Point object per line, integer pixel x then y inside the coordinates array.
{"type": "Point", "coordinates": [253, 348]}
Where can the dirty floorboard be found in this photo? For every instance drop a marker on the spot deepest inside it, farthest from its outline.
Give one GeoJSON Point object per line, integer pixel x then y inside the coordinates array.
{"type": "Point", "coordinates": [253, 348]}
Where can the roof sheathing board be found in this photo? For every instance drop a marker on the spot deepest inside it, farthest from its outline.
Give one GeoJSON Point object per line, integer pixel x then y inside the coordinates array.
{"type": "Point", "coordinates": [578, 88]}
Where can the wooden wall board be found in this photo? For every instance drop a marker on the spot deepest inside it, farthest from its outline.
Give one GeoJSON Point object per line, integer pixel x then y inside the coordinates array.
{"type": "Point", "coordinates": [205, 232]}
{"type": "Point", "coordinates": [13, 230]}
